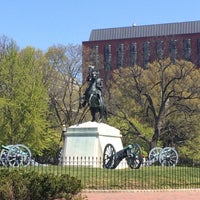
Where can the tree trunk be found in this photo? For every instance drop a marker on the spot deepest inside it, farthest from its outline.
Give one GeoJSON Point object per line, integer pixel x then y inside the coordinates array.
{"type": "Point", "coordinates": [155, 138]}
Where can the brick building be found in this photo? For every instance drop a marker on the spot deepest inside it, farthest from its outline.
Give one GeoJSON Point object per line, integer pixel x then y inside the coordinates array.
{"type": "Point", "coordinates": [113, 48]}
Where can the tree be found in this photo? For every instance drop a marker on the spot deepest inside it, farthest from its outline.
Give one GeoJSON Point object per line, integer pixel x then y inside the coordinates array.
{"type": "Point", "coordinates": [160, 97]}
{"type": "Point", "coordinates": [64, 78]}
{"type": "Point", "coordinates": [24, 99]}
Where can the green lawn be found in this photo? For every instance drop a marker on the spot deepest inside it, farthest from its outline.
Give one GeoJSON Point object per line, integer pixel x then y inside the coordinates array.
{"type": "Point", "coordinates": [150, 177]}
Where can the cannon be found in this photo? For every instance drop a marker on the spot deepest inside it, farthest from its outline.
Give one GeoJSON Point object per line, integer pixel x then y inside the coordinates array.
{"type": "Point", "coordinates": [132, 153]}
{"type": "Point", "coordinates": [15, 155]}
{"type": "Point", "coordinates": [167, 156]}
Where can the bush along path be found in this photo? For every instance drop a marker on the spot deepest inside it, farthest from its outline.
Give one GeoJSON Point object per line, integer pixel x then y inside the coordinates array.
{"type": "Point", "coordinates": [21, 185]}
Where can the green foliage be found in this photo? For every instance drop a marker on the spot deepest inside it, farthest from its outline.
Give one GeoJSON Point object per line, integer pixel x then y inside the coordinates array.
{"type": "Point", "coordinates": [130, 134]}
{"type": "Point", "coordinates": [160, 104]}
{"type": "Point", "coordinates": [189, 149]}
{"type": "Point", "coordinates": [24, 98]}
{"type": "Point", "coordinates": [12, 185]}
{"type": "Point", "coordinates": [124, 126]}
{"type": "Point", "coordinates": [21, 185]}
{"type": "Point", "coordinates": [38, 93]}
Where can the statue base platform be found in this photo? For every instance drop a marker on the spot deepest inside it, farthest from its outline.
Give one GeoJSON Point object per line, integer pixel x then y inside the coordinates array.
{"type": "Point", "coordinates": [84, 143]}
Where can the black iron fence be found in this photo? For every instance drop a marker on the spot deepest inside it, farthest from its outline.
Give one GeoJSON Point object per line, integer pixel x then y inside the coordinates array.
{"type": "Point", "coordinates": [93, 176]}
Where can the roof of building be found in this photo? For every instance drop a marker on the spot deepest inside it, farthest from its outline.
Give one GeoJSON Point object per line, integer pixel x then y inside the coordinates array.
{"type": "Point", "coordinates": [145, 31]}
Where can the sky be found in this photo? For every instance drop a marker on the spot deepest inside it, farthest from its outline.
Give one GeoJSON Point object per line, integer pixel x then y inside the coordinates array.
{"type": "Point", "coordinates": [44, 23]}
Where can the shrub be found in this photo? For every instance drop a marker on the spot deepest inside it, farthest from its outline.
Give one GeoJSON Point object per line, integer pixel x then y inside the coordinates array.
{"type": "Point", "coordinates": [21, 185]}
{"type": "Point", "coordinates": [12, 185]}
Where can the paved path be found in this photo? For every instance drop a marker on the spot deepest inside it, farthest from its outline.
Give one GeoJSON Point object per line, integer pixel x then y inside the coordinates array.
{"type": "Point", "coordinates": [193, 194]}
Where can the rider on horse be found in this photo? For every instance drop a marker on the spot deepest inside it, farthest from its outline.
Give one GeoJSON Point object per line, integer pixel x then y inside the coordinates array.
{"type": "Point", "coordinates": [95, 85]}
{"type": "Point", "coordinates": [93, 93]}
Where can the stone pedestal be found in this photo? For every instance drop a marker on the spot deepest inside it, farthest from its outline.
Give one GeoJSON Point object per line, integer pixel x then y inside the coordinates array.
{"type": "Point", "coordinates": [84, 143]}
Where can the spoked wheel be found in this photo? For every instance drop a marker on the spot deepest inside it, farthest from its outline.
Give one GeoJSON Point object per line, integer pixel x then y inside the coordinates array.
{"type": "Point", "coordinates": [19, 155]}
{"type": "Point", "coordinates": [134, 156]}
{"type": "Point", "coordinates": [168, 157]}
{"type": "Point", "coordinates": [109, 156]}
{"type": "Point", "coordinates": [154, 155]}
{"type": "Point", "coordinates": [3, 155]}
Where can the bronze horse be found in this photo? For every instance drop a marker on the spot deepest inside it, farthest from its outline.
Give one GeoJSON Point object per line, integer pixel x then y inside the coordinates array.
{"type": "Point", "coordinates": [93, 96]}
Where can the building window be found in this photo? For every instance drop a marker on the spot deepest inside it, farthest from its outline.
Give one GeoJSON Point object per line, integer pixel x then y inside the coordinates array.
{"type": "Point", "coordinates": [95, 56]}
{"type": "Point", "coordinates": [173, 50]}
{"type": "Point", "coordinates": [120, 55]}
{"type": "Point", "coordinates": [107, 57]}
{"type": "Point", "coordinates": [187, 49]}
{"type": "Point", "coordinates": [146, 54]}
{"type": "Point", "coordinates": [160, 50]}
{"type": "Point", "coordinates": [133, 54]}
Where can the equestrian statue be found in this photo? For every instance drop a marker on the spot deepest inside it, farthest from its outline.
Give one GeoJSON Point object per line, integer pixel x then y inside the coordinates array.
{"type": "Point", "coordinates": [93, 95]}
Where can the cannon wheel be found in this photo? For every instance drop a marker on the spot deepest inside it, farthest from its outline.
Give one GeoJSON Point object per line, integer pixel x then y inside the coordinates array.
{"type": "Point", "coordinates": [19, 155]}
{"type": "Point", "coordinates": [168, 157]}
{"type": "Point", "coordinates": [3, 156]}
{"type": "Point", "coordinates": [154, 155]}
{"type": "Point", "coordinates": [134, 156]}
{"type": "Point", "coordinates": [109, 156]}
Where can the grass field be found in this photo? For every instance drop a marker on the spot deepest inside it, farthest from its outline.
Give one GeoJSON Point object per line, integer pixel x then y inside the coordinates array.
{"type": "Point", "coordinates": [149, 177]}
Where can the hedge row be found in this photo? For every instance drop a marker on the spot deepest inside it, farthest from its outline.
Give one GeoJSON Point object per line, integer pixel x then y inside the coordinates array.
{"type": "Point", "coordinates": [21, 185]}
